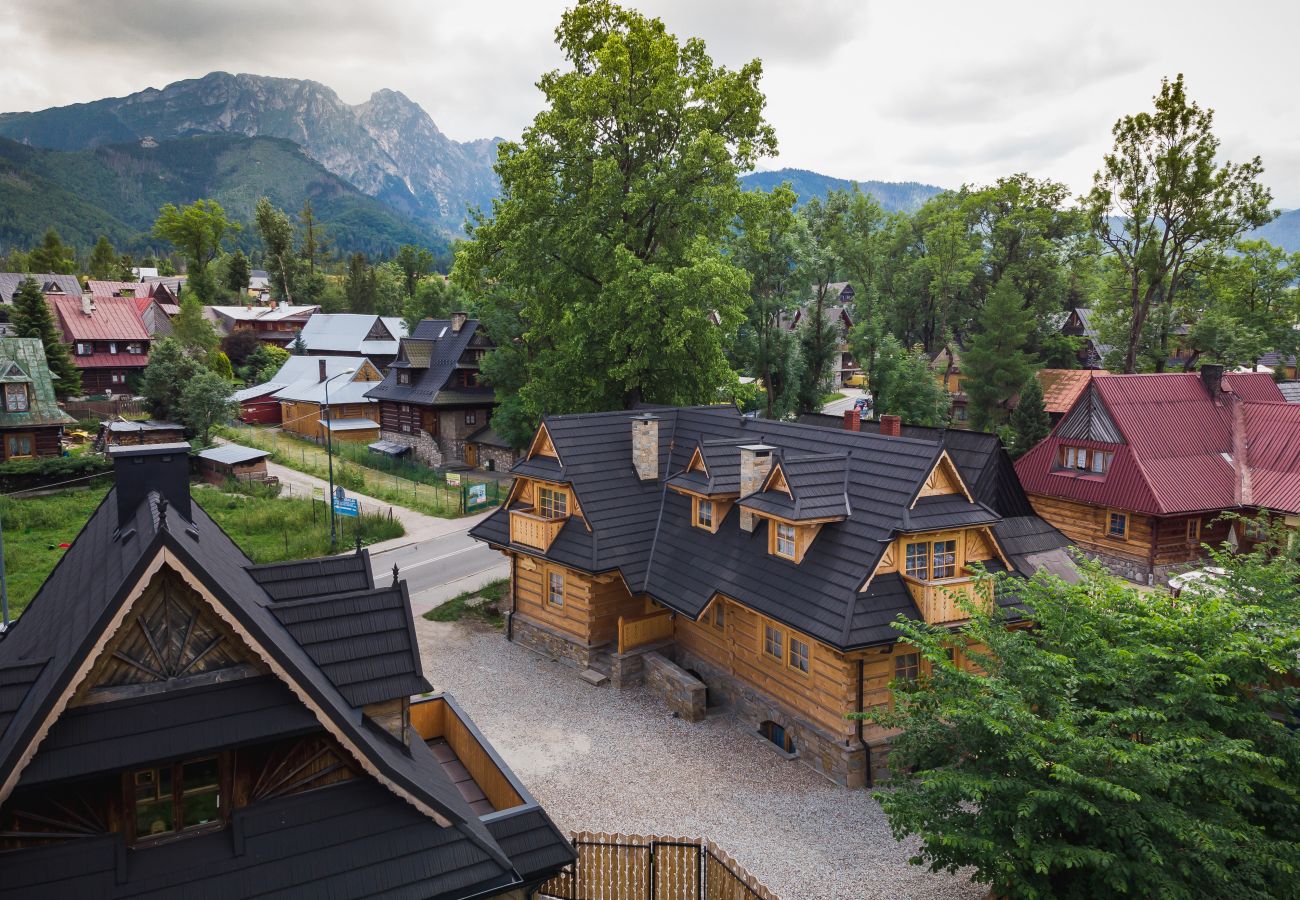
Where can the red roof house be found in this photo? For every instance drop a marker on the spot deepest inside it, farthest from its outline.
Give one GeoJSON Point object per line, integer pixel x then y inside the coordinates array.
{"type": "Point", "coordinates": [107, 337]}
{"type": "Point", "coordinates": [1140, 469]}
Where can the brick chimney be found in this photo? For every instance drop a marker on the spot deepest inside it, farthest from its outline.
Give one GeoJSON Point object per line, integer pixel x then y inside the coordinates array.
{"type": "Point", "coordinates": [1212, 379]}
{"type": "Point", "coordinates": [164, 468]}
{"type": "Point", "coordinates": [645, 446]}
{"type": "Point", "coordinates": [755, 463]}
{"type": "Point", "coordinates": [321, 364]}
{"type": "Point", "coordinates": [891, 426]}
{"type": "Point", "coordinates": [458, 320]}
{"type": "Point", "coordinates": [852, 420]}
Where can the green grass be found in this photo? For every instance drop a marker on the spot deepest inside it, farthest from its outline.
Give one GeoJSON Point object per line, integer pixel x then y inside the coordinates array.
{"type": "Point", "coordinates": [460, 607]}
{"type": "Point", "coordinates": [832, 396]}
{"type": "Point", "coordinates": [429, 495]}
{"type": "Point", "coordinates": [266, 530]}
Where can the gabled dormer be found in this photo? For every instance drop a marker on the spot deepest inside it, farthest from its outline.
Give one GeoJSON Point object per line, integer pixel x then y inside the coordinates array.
{"type": "Point", "coordinates": [541, 500]}
{"type": "Point", "coordinates": [797, 497]}
{"type": "Point", "coordinates": [712, 480]}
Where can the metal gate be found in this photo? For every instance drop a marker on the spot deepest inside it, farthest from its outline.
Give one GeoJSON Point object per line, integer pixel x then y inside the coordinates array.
{"type": "Point", "coordinates": [634, 867]}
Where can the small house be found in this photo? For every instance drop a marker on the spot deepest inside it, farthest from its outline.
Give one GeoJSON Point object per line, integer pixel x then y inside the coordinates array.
{"type": "Point", "coordinates": [276, 323]}
{"type": "Point", "coordinates": [31, 422]}
{"type": "Point", "coordinates": [375, 338]}
{"type": "Point", "coordinates": [107, 339]}
{"type": "Point", "coordinates": [227, 462]}
{"type": "Point", "coordinates": [313, 381]}
{"type": "Point", "coordinates": [123, 433]}
{"type": "Point", "coordinates": [51, 284]}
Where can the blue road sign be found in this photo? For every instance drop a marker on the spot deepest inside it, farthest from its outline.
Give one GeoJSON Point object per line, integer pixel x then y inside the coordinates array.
{"type": "Point", "coordinates": [346, 506]}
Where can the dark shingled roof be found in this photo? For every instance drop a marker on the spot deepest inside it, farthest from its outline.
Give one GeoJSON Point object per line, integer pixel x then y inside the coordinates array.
{"type": "Point", "coordinates": [431, 354]}
{"type": "Point", "coordinates": [643, 529]}
{"type": "Point", "coordinates": [946, 511]}
{"type": "Point", "coordinates": [818, 490]}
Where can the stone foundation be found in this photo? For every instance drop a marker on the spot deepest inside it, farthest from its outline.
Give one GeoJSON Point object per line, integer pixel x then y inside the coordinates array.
{"type": "Point", "coordinates": [1138, 570]}
{"type": "Point", "coordinates": [685, 694]}
{"type": "Point", "coordinates": [843, 764]}
{"type": "Point", "coordinates": [501, 459]}
{"type": "Point", "coordinates": [540, 639]}
{"type": "Point", "coordinates": [423, 446]}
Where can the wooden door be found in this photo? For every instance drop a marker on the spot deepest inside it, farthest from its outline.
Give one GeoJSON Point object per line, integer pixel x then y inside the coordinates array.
{"type": "Point", "coordinates": [471, 455]}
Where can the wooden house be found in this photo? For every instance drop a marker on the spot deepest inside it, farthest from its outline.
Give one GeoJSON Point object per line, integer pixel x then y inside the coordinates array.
{"type": "Point", "coordinates": [135, 433]}
{"type": "Point", "coordinates": [432, 398]}
{"type": "Point", "coordinates": [375, 338]}
{"type": "Point", "coordinates": [226, 462]}
{"type": "Point", "coordinates": [31, 422]}
{"type": "Point", "coordinates": [765, 559]}
{"type": "Point", "coordinates": [1142, 467]}
{"type": "Point", "coordinates": [107, 339]}
{"type": "Point", "coordinates": [352, 415]}
{"type": "Point", "coordinates": [837, 307]}
{"type": "Point", "coordinates": [274, 323]}
{"type": "Point", "coordinates": [1092, 351]}
{"type": "Point", "coordinates": [945, 365]}
{"type": "Point", "coordinates": [178, 722]}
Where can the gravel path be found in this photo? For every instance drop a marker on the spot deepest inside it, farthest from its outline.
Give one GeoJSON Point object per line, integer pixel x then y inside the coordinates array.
{"type": "Point", "coordinates": [603, 760]}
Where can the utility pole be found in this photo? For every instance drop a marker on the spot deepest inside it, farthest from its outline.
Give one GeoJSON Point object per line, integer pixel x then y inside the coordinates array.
{"type": "Point", "coordinates": [329, 452]}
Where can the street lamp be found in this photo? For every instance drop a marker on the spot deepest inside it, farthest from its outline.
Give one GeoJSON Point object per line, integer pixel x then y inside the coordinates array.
{"type": "Point", "coordinates": [329, 451]}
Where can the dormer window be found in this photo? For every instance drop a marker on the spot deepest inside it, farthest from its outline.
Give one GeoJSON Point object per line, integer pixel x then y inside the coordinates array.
{"type": "Point", "coordinates": [175, 798]}
{"type": "Point", "coordinates": [784, 540]}
{"type": "Point", "coordinates": [403, 376]}
{"type": "Point", "coordinates": [931, 560]}
{"type": "Point", "coordinates": [1085, 459]}
{"type": "Point", "coordinates": [552, 504]}
{"type": "Point", "coordinates": [704, 514]}
{"type": "Point", "coordinates": [16, 398]}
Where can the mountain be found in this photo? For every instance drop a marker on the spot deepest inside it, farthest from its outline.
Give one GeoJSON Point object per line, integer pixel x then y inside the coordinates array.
{"type": "Point", "coordinates": [386, 147]}
{"type": "Point", "coordinates": [117, 189]}
{"type": "Point", "coordinates": [1284, 231]}
{"type": "Point", "coordinates": [893, 196]}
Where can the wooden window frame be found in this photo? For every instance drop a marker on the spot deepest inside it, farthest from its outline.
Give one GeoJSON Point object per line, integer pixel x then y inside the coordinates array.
{"type": "Point", "coordinates": [772, 637]}
{"type": "Point", "coordinates": [176, 769]}
{"type": "Point", "coordinates": [26, 397]}
{"type": "Point", "coordinates": [1070, 456]}
{"type": "Point", "coordinates": [1122, 534]}
{"type": "Point", "coordinates": [551, 575]}
{"type": "Point", "coordinates": [776, 527]}
{"type": "Point", "coordinates": [907, 667]}
{"type": "Point", "coordinates": [792, 656]}
{"type": "Point", "coordinates": [1193, 530]}
{"type": "Point", "coordinates": [471, 418]}
{"type": "Point", "coordinates": [703, 507]}
{"type": "Point", "coordinates": [923, 573]}
{"type": "Point", "coordinates": [935, 555]}
{"type": "Point", "coordinates": [720, 615]}
{"type": "Point", "coordinates": [539, 506]}
{"type": "Point", "coordinates": [31, 444]}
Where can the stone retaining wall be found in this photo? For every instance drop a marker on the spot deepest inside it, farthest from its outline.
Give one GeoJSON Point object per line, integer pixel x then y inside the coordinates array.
{"type": "Point", "coordinates": [685, 694]}
{"type": "Point", "coordinates": [423, 446]}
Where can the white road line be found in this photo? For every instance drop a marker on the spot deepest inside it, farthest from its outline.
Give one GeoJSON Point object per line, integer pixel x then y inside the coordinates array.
{"type": "Point", "coordinates": [425, 562]}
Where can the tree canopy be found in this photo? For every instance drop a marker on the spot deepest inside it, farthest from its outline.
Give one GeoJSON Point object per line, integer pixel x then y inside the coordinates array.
{"type": "Point", "coordinates": [31, 317]}
{"type": "Point", "coordinates": [197, 231]}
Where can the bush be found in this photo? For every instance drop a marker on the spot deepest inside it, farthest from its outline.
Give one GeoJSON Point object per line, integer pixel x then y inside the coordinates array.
{"type": "Point", "coordinates": [24, 474]}
{"type": "Point", "coordinates": [266, 490]}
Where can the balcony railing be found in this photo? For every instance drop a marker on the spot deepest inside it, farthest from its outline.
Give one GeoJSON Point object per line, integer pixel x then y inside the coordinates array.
{"type": "Point", "coordinates": [939, 601]}
{"type": "Point", "coordinates": [527, 527]}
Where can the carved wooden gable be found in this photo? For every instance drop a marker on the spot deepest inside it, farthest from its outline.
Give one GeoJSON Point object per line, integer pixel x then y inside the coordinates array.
{"type": "Point", "coordinates": [943, 479]}
{"type": "Point", "coordinates": [542, 445]}
{"type": "Point", "coordinates": [171, 636]}
{"type": "Point", "coordinates": [697, 463]}
{"type": "Point", "coordinates": [1089, 420]}
{"type": "Point", "coordinates": [776, 481]}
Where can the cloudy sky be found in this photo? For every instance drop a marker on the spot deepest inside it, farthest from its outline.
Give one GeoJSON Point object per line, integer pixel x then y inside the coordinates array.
{"type": "Point", "coordinates": [941, 92]}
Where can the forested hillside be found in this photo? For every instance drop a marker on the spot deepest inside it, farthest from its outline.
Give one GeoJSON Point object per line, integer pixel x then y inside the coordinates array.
{"type": "Point", "coordinates": [893, 196]}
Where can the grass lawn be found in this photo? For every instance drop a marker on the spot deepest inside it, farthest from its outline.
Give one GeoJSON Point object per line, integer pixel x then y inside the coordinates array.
{"type": "Point", "coordinates": [266, 530]}
{"type": "Point", "coordinates": [483, 604]}
{"type": "Point", "coordinates": [430, 496]}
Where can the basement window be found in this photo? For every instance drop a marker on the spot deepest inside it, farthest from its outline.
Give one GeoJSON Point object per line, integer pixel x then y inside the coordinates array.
{"type": "Point", "coordinates": [777, 735]}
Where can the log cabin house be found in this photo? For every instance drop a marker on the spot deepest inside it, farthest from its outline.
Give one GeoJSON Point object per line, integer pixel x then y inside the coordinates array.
{"type": "Point", "coordinates": [352, 414]}
{"type": "Point", "coordinates": [837, 308]}
{"type": "Point", "coordinates": [176, 721]}
{"type": "Point", "coordinates": [31, 422]}
{"type": "Point", "coordinates": [767, 559]}
{"type": "Point", "coordinates": [107, 339]}
{"type": "Point", "coordinates": [275, 323]}
{"type": "Point", "coordinates": [432, 399]}
{"type": "Point", "coordinates": [1140, 470]}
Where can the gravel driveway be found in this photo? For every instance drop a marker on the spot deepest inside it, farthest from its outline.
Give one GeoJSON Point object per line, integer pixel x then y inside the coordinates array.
{"type": "Point", "coordinates": [603, 760]}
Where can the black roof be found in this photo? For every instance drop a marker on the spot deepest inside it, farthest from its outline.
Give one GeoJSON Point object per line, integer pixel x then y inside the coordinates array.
{"type": "Point", "coordinates": [643, 529]}
{"type": "Point", "coordinates": [431, 354]}
{"type": "Point", "coordinates": [339, 651]}
{"type": "Point", "coordinates": [818, 489]}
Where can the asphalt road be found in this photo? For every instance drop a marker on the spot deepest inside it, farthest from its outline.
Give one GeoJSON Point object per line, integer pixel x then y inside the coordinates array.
{"type": "Point", "coordinates": [440, 567]}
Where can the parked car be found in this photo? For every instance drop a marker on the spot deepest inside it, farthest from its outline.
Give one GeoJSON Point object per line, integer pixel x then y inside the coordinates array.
{"type": "Point", "coordinates": [857, 380]}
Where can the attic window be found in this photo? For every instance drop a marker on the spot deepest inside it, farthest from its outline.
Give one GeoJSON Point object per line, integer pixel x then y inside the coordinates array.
{"type": "Point", "coordinates": [175, 798]}
{"type": "Point", "coordinates": [403, 376]}
{"type": "Point", "coordinates": [15, 398]}
{"type": "Point", "coordinates": [1084, 459]}
{"type": "Point", "coordinates": [704, 514]}
{"type": "Point", "coordinates": [784, 540]}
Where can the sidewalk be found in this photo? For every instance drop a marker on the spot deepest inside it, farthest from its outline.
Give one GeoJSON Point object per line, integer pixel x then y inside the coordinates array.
{"type": "Point", "coordinates": [419, 527]}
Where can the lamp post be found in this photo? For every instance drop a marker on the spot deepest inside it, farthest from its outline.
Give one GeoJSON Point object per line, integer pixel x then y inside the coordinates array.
{"type": "Point", "coordinates": [329, 451]}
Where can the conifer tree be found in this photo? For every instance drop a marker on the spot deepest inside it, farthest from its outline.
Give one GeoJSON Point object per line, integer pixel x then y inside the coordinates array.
{"type": "Point", "coordinates": [31, 317]}
{"type": "Point", "coordinates": [1030, 422]}
{"type": "Point", "coordinates": [237, 273]}
{"type": "Point", "coordinates": [997, 364]}
{"type": "Point", "coordinates": [52, 255]}
{"type": "Point", "coordinates": [103, 260]}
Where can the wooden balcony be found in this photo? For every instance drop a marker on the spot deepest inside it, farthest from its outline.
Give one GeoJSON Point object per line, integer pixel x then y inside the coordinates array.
{"type": "Point", "coordinates": [469, 760]}
{"type": "Point", "coordinates": [527, 527]}
{"type": "Point", "coordinates": [938, 600]}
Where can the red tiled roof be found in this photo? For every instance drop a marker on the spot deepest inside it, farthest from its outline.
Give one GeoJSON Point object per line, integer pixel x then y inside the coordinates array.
{"type": "Point", "coordinates": [113, 319]}
{"type": "Point", "coordinates": [1176, 437]}
{"type": "Point", "coordinates": [1061, 387]}
{"type": "Point", "coordinates": [111, 361]}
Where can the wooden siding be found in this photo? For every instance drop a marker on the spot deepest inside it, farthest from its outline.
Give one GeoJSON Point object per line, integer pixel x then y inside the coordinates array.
{"type": "Point", "coordinates": [1087, 525]}
{"type": "Point", "coordinates": [943, 479]}
{"type": "Point", "coordinates": [592, 605]}
{"type": "Point", "coordinates": [45, 441]}
{"type": "Point", "coordinates": [304, 418]}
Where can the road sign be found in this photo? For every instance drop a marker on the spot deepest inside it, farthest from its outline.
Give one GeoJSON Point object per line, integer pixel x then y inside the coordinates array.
{"type": "Point", "coordinates": [453, 479]}
{"type": "Point", "coordinates": [346, 506]}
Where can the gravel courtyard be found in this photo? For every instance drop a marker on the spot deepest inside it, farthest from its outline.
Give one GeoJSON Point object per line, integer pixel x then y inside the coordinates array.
{"type": "Point", "coordinates": [602, 760]}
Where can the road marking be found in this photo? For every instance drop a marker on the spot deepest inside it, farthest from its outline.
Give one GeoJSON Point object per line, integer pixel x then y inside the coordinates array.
{"type": "Point", "coordinates": [425, 562]}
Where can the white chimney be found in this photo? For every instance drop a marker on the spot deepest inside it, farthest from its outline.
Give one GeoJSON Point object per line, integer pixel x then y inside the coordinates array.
{"type": "Point", "coordinates": [458, 320]}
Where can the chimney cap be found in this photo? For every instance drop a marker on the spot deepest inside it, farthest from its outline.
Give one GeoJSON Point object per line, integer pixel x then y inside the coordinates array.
{"type": "Point", "coordinates": [645, 417]}
{"type": "Point", "coordinates": [148, 449]}
{"type": "Point", "coordinates": [757, 448]}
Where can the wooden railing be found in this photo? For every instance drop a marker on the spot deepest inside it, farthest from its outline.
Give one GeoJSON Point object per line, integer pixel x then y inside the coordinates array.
{"type": "Point", "coordinates": [636, 631]}
{"type": "Point", "coordinates": [527, 527]}
{"type": "Point", "coordinates": [434, 718]}
{"type": "Point", "coordinates": [938, 601]}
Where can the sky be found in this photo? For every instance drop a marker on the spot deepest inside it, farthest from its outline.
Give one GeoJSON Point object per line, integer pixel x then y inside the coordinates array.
{"type": "Point", "coordinates": [947, 93]}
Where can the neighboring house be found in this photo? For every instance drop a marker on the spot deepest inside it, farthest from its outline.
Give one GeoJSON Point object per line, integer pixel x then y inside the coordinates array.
{"type": "Point", "coordinates": [276, 324]}
{"type": "Point", "coordinates": [107, 339]}
{"type": "Point", "coordinates": [31, 422]}
{"type": "Point", "coordinates": [1061, 387]}
{"type": "Point", "coordinates": [946, 367]}
{"type": "Point", "coordinates": [1142, 467]}
{"type": "Point", "coordinates": [51, 285]}
{"type": "Point", "coordinates": [175, 284]}
{"type": "Point", "coordinates": [143, 272]}
{"type": "Point", "coordinates": [837, 307]}
{"type": "Point", "coordinates": [489, 450]}
{"type": "Point", "coordinates": [1079, 323]}
{"type": "Point", "coordinates": [123, 433]}
{"type": "Point", "coordinates": [767, 558]}
{"type": "Point", "coordinates": [353, 415]}
{"type": "Point", "coordinates": [348, 334]}
{"type": "Point", "coordinates": [178, 722]}
{"type": "Point", "coordinates": [1290, 391]}
{"type": "Point", "coordinates": [431, 399]}
{"type": "Point", "coordinates": [1283, 366]}
{"type": "Point", "coordinates": [258, 405]}
{"type": "Point", "coordinates": [157, 317]}
{"type": "Point", "coordinates": [225, 462]}
{"type": "Point", "coordinates": [259, 280]}
{"type": "Point", "coordinates": [156, 304]}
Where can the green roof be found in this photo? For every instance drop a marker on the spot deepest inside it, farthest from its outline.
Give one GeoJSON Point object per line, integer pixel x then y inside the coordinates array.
{"type": "Point", "coordinates": [22, 361]}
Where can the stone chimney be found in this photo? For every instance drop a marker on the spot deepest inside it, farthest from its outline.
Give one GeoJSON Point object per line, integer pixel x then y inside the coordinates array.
{"type": "Point", "coordinates": [755, 463]}
{"type": "Point", "coordinates": [87, 304]}
{"type": "Point", "coordinates": [645, 445]}
{"type": "Point", "coordinates": [891, 426]}
{"type": "Point", "coordinates": [321, 364]}
{"type": "Point", "coordinates": [1212, 379]}
{"type": "Point", "coordinates": [458, 320]}
{"type": "Point", "coordinates": [164, 468]}
{"type": "Point", "coordinates": [852, 420]}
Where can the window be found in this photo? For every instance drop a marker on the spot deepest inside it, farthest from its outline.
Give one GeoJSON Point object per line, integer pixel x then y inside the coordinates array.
{"type": "Point", "coordinates": [552, 504]}
{"type": "Point", "coordinates": [945, 559]}
{"type": "Point", "coordinates": [135, 348]}
{"type": "Point", "coordinates": [1082, 459]}
{"type": "Point", "coordinates": [85, 348]}
{"type": "Point", "coordinates": [16, 397]}
{"type": "Point", "coordinates": [959, 413]}
{"type": "Point", "coordinates": [177, 797]}
{"type": "Point", "coordinates": [17, 445]}
{"type": "Point", "coordinates": [555, 589]}
{"type": "Point", "coordinates": [719, 614]}
{"type": "Point", "coordinates": [117, 378]}
{"type": "Point", "coordinates": [704, 514]}
{"type": "Point", "coordinates": [918, 561]}
{"type": "Point", "coordinates": [112, 346]}
{"type": "Point", "coordinates": [470, 418]}
{"type": "Point", "coordinates": [773, 641]}
{"type": "Point", "coordinates": [907, 667]}
{"type": "Point", "coordinates": [1117, 525]}
{"type": "Point", "coordinates": [785, 540]}
{"type": "Point", "coordinates": [799, 652]}
{"type": "Point", "coordinates": [403, 376]}
{"type": "Point", "coordinates": [1193, 531]}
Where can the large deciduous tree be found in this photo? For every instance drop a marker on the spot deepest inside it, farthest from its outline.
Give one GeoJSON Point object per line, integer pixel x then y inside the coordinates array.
{"type": "Point", "coordinates": [197, 231]}
{"type": "Point", "coordinates": [31, 317]}
{"type": "Point", "coordinates": [170, 369]}
{"type": "Point", "coordinates": [206, 400]}
{"type": "Point", "coordinates": [1162, 202]}
{"type": "Point", "coordinates": [613, 210]}
{"type": "Point", "coordinates": [415, 263]}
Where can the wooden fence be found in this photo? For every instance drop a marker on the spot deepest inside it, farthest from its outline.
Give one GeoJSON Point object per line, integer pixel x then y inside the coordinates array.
{"type": "Point", "coordinates": [636, 867]}
{"type": "Point", "coordinates": [128, 407]}
{"type": "Point", "coordinates": [635, 631]}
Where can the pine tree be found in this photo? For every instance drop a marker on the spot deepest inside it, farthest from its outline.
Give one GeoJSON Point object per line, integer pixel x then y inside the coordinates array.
{"type": "Point", "coordinates": [103, 260]}
{"type": "Point", "coordinates": [1030, 422]}
{"type": "Point", "coordinates": [237, 273]}
{"type": "Point", "coordinates": [31, 317]}
{"type": "Point", "coordinates": [997, 364]}
{"type": "Point", "coordinates": [52, 255]}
